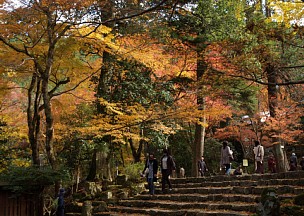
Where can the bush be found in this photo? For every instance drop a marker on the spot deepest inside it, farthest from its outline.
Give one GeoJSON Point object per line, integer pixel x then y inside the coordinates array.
{"type": "Point", "coordinates": [299, 200]}
{"type": "Point", "coordinates": [29, 179]}
{"type": "Point", "coordinates": [292, 211]}
{"type": "Point", "coordinates": [133, 171]}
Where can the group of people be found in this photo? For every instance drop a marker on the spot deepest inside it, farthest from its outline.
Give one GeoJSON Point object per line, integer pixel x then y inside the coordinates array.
{"type": "Point", "coordinates": [225, 163]}
{"type": "Point", "coordinates": [259, 157]}
{"type": "Point", "coordinates": [259, 153]}
{"type": "Point", "coordinates": [293, 162]}
{"type": "Point", "coordinates": [167, 165]}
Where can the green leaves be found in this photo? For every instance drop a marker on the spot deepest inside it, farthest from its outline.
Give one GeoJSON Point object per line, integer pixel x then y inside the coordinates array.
{"type": "Point", "coordinates": [29, 179]}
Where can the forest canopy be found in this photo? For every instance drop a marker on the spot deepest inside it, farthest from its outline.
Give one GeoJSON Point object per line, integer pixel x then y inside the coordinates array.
{"type": "Point", "coordinates": [88, 86]}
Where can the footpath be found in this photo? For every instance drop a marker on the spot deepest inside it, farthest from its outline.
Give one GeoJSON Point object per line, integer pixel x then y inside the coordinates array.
{"type": "Point", "coordinates": [209, 196]}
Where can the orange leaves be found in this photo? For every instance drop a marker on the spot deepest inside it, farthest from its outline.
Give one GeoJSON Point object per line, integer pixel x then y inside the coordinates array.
{"type": "Point", "coordinates": [216, 57]}
{"type": "Point", "coordinates": [165, 61]}
{"type": "Point", "coordinates": [286, 124]}
{"type": "Point", "coordinates": [63, 5]}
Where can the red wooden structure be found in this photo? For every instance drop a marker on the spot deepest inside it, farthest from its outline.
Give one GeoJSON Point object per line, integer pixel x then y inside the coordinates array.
{"type": "Point", "coordinates": [20, 205]}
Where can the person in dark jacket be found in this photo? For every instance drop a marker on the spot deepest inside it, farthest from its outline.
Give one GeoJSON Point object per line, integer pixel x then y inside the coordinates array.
{"type": "Point", "coordinates": [150, 170]}
{"type": "Point", "coordinates": [60, 207]}
{"type": "Point", "coordinates": [202, 166]}
{"type": "Point", "coordinates": [167, 166]}
{"type": "Point", "coordinates": [293, 162]}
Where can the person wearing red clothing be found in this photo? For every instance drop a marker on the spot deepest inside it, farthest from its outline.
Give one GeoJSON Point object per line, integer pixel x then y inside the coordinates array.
{"type": "Point", "coordinates": [271, 164]}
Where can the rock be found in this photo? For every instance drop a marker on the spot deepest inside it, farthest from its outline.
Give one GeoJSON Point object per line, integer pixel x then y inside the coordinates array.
{"type": "Point", "coordinates": [121, 179]}
{"type": "Point", "coordinates": [270, 204]}
{"type": "Point", "coordinates": [92, 188]}
{"type": "Point", "coordinates": [122, 194]}
{"type": "Point", "coordinates": [106, 195]}
{"type": "Point", "coordinates": [101, 206]}
{"type": "Point", "coordinates": [87, 208]}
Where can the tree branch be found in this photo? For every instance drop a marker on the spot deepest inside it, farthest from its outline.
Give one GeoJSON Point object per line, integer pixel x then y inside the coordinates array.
{"type": "Point", "coordinates": [127, 17]}
{"type": "Point", "coordinates": [256, 80]}
{"type": "Point", "coordinates": [136, 14]}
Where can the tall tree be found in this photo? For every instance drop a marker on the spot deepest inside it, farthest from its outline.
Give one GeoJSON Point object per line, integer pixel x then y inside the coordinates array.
{"type": "Point", "coordinates": [118, 16]}
{"type": "Point", "coordinates": [199, 28]}
{"type": "Point", "coordinates": [261, 54]}
{"type": "Point", "coordinates": [40, 34]}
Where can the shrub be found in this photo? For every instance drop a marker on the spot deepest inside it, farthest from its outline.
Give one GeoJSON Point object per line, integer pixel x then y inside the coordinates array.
{"type": "Point", "coordinates": [29, 179]}
{"type": "Point", "coordinates": [299, 200]}
{"type": "Point", "coordinates": [133, 171]}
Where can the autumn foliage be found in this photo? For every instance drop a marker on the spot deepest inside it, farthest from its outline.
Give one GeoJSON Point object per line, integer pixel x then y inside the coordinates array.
{"type": "Point", "coordinates": [75, 78]}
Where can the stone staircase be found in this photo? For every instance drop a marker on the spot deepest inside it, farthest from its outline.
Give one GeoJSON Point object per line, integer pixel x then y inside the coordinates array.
{"type": "Point", "coordinates": [215, 195]}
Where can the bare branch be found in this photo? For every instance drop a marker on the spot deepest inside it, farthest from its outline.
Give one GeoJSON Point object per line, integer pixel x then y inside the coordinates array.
{"type": "Point", "coordinates": [256, 80]}
{"type": "Point", "coordinates": [52, 94]}
{"type": "Point", "coordinates": [127, 17]}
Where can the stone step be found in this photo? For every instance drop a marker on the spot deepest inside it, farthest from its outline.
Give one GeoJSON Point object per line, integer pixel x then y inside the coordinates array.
{"type": "Point", "coordinates": [177, 212]}
{"type": "Point", "coordinates": [254, 177]}
{"type": "Point", "coordinates": [200, 198]}
{"type": "Point", "coordinates": [174, 205]}
{"type": "Point", "coordinates": [209, 197]}
{"type": "Point", "coordinates": [255, 190]}
{"type": "Point", "coordinates": [115, 214]}
{"type": "Point", "coordinates": [299, 182]}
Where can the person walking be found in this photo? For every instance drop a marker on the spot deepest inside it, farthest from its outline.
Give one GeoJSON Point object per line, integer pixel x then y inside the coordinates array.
{"type": "Point", "coordinates": [167, 166]}
{"type": "Point", "coordinates": [293, 162]}
{"type": "Point", "coordinates": [271, 163]}
{"type": "Point", "coordinates": [150, 170]}
{"type": "Point", "coordinates": [202, 167]}
{"type": "Point", "coordinates": [259, 157]}
{"type": "Point", "coordinates": [226, 158]}
{"type": "Point", "coordinates": [60, 206]}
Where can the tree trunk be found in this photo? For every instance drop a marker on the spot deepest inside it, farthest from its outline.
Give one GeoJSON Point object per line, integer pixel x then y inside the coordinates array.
{"type": "Point", "coordinates": [279, 153]}
{"type": "Point", "coordinates": [101, 165]}
{"type": "Point", "coordinates": [108, 168]}
{"type": "Point", "coordinates": [199, 137]}
{"type": "Point", "coordinates": [199, 147]}
{"type": "Point", "coordinates": [136, 152]}
{"type": "Point", "coordinates": [33, 117]}
{"type": "Point", "coordinates": [92, 172]}
{"type": "Point", "coordinates": [102, 88]}
{"type": "Point", "coordinates": [49, 124]}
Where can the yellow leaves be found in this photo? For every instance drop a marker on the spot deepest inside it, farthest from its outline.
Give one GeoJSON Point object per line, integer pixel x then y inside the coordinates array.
{"type": "Point", "coordinates": [111, 107]}
{"type": "Point", "coordinates": [176, 61]}
{"type": "Point", "coordinates": [98, 33]}
{"type": "Point", "coordinates": [289, 12]}
{"type": "Point", "coordinates": [163, 128]}
{"type": "Point", "coordinates": [10, 73]}
{"type": "Point", "coordinates": [100, 36]}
